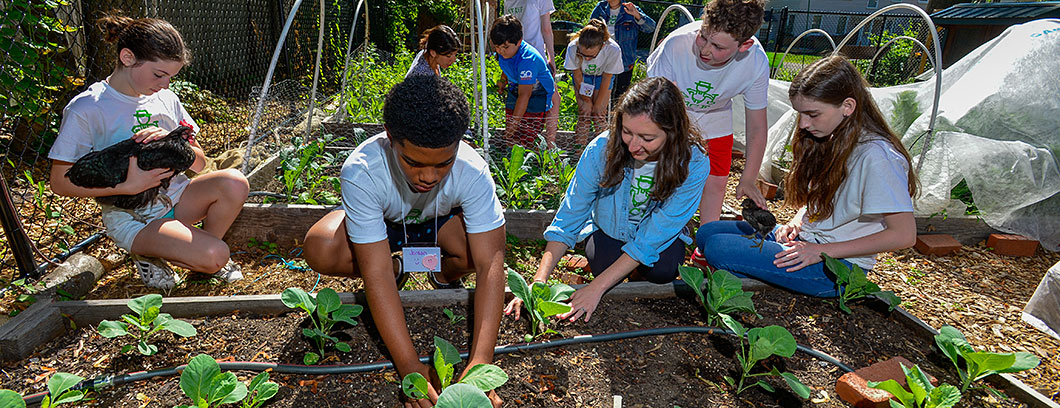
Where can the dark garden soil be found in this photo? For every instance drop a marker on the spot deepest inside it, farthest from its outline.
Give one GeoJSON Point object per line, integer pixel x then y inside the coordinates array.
{"type": "Point", "coordinates": [682, 370]}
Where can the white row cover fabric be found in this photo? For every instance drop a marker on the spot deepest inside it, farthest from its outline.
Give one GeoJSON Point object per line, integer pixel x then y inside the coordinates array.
{"type": "Point", "coordinates": [1043, 310]}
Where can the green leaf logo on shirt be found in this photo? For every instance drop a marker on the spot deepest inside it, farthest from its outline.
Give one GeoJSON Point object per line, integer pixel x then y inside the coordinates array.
{"type": "Point", "coordinates": [640, 191]}
{"type": "Point", "coordinates": [414, 216]}
{"type": "Point", "coordinates": [591, 69]}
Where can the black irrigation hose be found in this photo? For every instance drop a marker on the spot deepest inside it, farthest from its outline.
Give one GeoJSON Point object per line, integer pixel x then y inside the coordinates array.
{"type": "Point", "coordinates": [111, 380]}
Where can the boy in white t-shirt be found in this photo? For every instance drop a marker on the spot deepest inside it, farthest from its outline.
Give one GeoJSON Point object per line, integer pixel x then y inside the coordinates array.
{"type": "Point", "coordinates": [593, 59]}
{"type": "Point", "coordinates": [420, 190]}
{"type": "Point", "coordinates": [711, 62]}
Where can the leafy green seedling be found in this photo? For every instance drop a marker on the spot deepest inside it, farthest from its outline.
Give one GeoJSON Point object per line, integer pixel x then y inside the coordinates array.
{"type": "Point", "coordinates": [11, 399]}
{"type": "Point", "coordinates": [723, 295]}
{"type": "Point", "coordinates": [203, 382]}
{"type": "Point", "coordinates": [541, 300]}
{"type": "Point", "coordinates": [324, 311]}
{"type": "Point", "coordinates": [761, 344]}
{"type": "Point", "coordinates": [59, 390]}
{"type": "Point", "coordinates": [854, 285]}
{"type": "Point", "coordinates": [147, 322]}
{"type": "Point", "coordinates": [979, 364]}
{"type": "Point", "coordinates": [470, 391]}
{"type": "Point", "coordinates": [453, 318]}
{"type": "Point", "coordinates": [921, 393]}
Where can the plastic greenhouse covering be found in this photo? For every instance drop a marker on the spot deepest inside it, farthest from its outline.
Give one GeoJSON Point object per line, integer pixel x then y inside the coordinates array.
{"type": "Point", "coordinates": [998, 128]}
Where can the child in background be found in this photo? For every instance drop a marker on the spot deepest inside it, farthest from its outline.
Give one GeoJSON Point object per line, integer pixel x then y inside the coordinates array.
{"type": "Point", "coordinates": [593, 59]}
{"type": "Point", "coordinates": [134, 101]}
{"type": "Point", "coordinates": [536, 18]}
{"type": "Point", "coordinates": [527, 79]}
{"type": "Point", "coordinates": [625, 21]}
{"type": "Point", "coordinates": [851, 178]}
{"type": "Point", "coordinates": [638, 186]}
{"type": "Point", "coordinates": [438, 48]}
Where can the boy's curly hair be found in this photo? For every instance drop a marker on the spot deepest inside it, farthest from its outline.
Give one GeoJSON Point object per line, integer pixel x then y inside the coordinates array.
{"type": "Point", "coordinates": [426, 110]}
{"type": "Point", "coordinates": [740, 18]}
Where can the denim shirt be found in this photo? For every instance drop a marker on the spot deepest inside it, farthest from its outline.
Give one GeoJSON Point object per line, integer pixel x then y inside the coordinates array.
{"type": "Point", "coordinates": [626, 29]}
{"type": "Point", "coordinates": [586, 206]}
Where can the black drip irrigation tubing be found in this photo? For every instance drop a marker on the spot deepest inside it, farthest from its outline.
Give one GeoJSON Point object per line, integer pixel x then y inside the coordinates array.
{"type": "Point", "coordinates": [115, 380]}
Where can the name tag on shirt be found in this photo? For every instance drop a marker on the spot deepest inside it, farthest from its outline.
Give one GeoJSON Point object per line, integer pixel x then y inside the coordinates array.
{"type": "Point", "coordinates": [587, 89]}
{"type": "Point", "coordinates": [421, 259]}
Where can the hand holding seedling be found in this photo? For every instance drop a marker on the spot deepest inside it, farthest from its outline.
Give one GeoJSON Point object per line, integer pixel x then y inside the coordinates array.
{"type": "Point", "coordinates": [431, 389]}
{"type": "Point", "coordinates": [583, 303]}
{"type": "Point", "coordinates": [800, 255]}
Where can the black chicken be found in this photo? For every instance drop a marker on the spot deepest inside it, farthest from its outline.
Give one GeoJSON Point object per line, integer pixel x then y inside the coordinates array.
{"type": "Point", "coordinates": [760, 219]}
{"type": "Point", "coordinates": [109, 167]}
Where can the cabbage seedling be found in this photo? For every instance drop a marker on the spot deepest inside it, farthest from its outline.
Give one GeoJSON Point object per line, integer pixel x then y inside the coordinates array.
{"type": "Point", "coordinates": [979, 364]}
{"type": "Point", "coordinates": [723, 295]}
{"type": "Point", "coordinates": [921, 393]}
{"type": "Point", "coordinates": [763, 342]}
{"type": "Point", "coordinates": [855, 285]}
{"type": "Point", "coordinates": [324, 311]}
{"type": "Point", "coordinates": [541, 300]}
{"type": "Point", "coordinates": [59, 392]}
{"type": "Point", "coordinates": [146, 322]}
{"type": "Point", "coordinates": [470, 391]}
{"type": "Point", "coordinates": [203, 382]}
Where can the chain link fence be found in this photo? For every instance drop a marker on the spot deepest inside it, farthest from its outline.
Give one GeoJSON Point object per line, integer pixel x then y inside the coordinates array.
{"type": "Point", "coordinates": [51, 51]}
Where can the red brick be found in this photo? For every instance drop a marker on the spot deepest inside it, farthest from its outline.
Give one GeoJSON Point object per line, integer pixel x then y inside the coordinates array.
{"type": "Point", "coordinates": [1012, 245]}
{"type": "Point", "coordinates": [769, 190]}
{"type": "Point", "coordinates": [736, 154]}
{"type": "Point", "coordinates": [854, 389]}
{"type": "Point", "coordinates": [936, 244]}
{"type": "Point", "coordinates": [570, 278]}
{"type": "Point", "coordinates": [575, 262]}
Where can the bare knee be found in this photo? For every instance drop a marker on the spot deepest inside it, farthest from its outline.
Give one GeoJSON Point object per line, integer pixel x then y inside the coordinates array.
{"type": "Point", "coordinates": [325, 248]}
{"type": "Point", "coordinates": [235, 184]}
{"type": "Point", "coordinates": [213, 258]}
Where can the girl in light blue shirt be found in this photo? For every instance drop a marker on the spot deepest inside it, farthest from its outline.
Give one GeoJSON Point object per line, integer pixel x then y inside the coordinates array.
{"type": "Point", "coordinates": [632, 195]}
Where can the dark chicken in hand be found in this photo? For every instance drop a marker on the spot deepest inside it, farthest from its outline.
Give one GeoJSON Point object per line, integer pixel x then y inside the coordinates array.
{"type": "Point", "coordinates": [760, 219]}
{"type": "Point", "coordinates": [109, 167]}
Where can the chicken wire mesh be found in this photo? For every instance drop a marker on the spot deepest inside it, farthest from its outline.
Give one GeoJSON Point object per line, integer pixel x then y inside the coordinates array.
{"type": "Point", "coordinates": [52, 51]}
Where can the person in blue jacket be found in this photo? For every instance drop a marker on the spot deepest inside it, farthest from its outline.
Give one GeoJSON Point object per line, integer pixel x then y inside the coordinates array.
{"type": "Point", "coordinates": [625, 21]}
{"type": "Point", "coordinates": [632, 195]}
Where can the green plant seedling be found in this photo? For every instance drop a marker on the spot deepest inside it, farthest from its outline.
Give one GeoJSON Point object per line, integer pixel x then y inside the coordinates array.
{"type": "Point", "coordinates": [204, 383]}
{"type": "Point", "coordinates": [11, 399]}
{"type": "Point", "coordinates": [59, 390]}
{"type": "Point", "coordinates": [147, 322]}
{"type": "Point", "coordinates": [921, 393]}
{"type": "Point", "coordinates": [724, 292]}
{"type": "Point", "coordinates": [259, 391]}
{"type": "Point", "coordinates": [854, 284]}
{"type": "Point", "coordinates": [324, 311]}
{"type": "Point", "coordinates": [541, 300]}
{"type": "Point", "coordinates": [975, 365]}
{"type": "Point", "coordinates": [470, 391]}
{"type": "Point", "coordinates": [453, 318]}
{"type": "Point", "coordinates": [762, 343]}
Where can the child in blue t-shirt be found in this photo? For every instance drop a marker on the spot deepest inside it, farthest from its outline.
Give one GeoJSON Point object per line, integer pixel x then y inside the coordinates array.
{"type": "Point", "coordinates": [527, 78]}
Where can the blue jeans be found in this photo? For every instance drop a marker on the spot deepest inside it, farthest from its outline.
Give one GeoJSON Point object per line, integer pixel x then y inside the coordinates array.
{"type": "Point", "coordinates": [725, 246]}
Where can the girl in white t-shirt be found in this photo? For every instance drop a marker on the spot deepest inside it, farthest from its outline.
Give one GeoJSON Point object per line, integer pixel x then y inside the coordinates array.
{"type": "Point", "coordinates": [593, 59]}
{"type": "Point", "coordinates": [135, 102]}
{"type": "Point", "coordinates": [851, 178]}
{"type": "Point", "coordinates": [438, 48]}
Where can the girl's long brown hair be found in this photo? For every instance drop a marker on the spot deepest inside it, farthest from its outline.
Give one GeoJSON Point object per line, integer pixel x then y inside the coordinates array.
{"type": "Point", "coordinates": [819, 166]}
{"type": "Point", "coordinates": [663, 103]}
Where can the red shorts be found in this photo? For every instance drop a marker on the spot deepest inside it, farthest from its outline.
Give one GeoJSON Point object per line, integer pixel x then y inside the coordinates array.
{"type": "Point", "coordinates": [719, 151]}
{"type": "Point", "coordinates": [529, 128]}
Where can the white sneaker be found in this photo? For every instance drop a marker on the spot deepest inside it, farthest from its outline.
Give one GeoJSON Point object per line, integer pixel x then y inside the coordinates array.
{"type": "Point", "coordinates": [155, 272]}
{"type": "Point", "coordinates": [231, 272]}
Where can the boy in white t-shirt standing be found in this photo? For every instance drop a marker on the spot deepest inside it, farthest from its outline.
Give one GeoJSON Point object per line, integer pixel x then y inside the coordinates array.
{"type": "Point", "coordinates": [711, 62]}
{"type": "Point", "coordinates": [420, 190]}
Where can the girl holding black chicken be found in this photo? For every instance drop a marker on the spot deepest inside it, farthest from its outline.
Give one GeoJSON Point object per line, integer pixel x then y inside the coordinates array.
{"type": "Point", "coordinates": [135, 102]}
{"type": "Point", "coordinates": [850, 178]}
